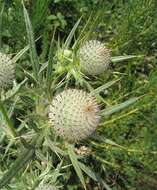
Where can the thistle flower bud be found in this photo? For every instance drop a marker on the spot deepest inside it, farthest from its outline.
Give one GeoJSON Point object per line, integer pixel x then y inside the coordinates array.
{"type": "Point", "coordinates": [74, 115]}
{"type": "Point", "coordinates": [7, 71]}
{"type": "Point", "coordinates": [94, 57]}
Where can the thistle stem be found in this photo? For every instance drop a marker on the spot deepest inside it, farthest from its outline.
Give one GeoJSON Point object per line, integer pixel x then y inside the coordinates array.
{"type": "Point", "coordinates": [7, 120]}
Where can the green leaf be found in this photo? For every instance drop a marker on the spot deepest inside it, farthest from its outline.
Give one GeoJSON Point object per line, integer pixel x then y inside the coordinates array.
{"type": "Point", "coordinates": [88, 171]}
{"type": "Point", "coordinates": [33, 52]}
{"type": "Point", "coordinates": [22, 52]}
{"type": "Point", "coordinates": [112, 143]}
{"type": "Point", "coordinates": [71, 35]}
{"type": "Point", "coordinates": [1, 14]}
{"type": "Point", "coordinates": [39, 12]}
{"type": "Point", "coordinates": [105, 185]}
{"type": "Point", "coordinates": [53, 146]}
{"type": "Point", "coordinates": [50, 65]}
{"type": "Point", "coordinates": [10, 126]}
{"type": "Point", "coordinates": [21, 162]}
{"type": "Point", "coordinates": [13, 91]}
{"type": "Point", "coordinates": [75, 163]}
{"type": "Point", "coordinates": [103, 87]}
{"type": "Point", "coordinates": [118, 107]}
{"type": "Point", "coordinates": [94, 176]}
{"type": "Point", "coordinates": [123, 58]}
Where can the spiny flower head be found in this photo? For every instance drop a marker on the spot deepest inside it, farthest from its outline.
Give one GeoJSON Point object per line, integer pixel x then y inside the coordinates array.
{"type": "Point", "coordinates": [7, 71]}
{"type": "Point", "coordinates": [94, 57]}
{"type": "Point", "coordinates": [74, 115]}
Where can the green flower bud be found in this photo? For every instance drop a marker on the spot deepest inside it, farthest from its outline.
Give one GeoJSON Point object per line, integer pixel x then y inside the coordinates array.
{"type": "Point", "coordinates": [74, 115]}
{"type": "Point", "coordinates": [94, 57]}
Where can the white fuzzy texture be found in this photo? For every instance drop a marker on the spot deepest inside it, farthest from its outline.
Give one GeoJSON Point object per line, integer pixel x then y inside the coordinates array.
{"type": "Point", "coordinates": [94, 57]}
{"type": "Point", "coordinates": [74, 115]}
{"type": "Point", "coordinates": [7, 71]}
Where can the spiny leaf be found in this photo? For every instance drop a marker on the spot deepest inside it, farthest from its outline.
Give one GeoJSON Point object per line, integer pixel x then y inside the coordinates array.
{"type": "Point", "coordinates": [10, 126]}
{"type": "Point", "coordinates": [1, 14]}
{"type": "Point", "coordinates": [112, 143]}
{"type": "Point", "coordinates": [71, 35]}
{"type": "Point", "coordinates": [103, 87]}
{"type": "Point", "coordinates": [118, 107]}
{"type": "Point", "coordinates": [88, 171]}
{"type": "Point", "coordinates": [21, 52]}
{"type": "Point", "coordinates": [33, 52]}
{"type": "Point", "coordinates": [19, 163]}
{"type": "Point", "coordinates": [14, 91]}
{"type": "Point", "coordinates": [75, 163]}
{"type": "Point", "coordinates": [123, 58]}
{"type": "Point", "coordinates": [50, 65]}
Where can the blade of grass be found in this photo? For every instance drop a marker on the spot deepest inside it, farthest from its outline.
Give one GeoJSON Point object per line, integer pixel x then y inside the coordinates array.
{"type": "Point", "coordinates": [75, 163]}
{"type": "Point", "coordinates": [33, 51]}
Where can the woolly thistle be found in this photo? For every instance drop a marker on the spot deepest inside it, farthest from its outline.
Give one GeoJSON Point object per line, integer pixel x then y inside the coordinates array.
{"type": "Point", "coordinates": [74, 114]}
{"type": "Point", "coordinates": [7, 71]}
{"type": "Point", "coordinates": [94, 57]}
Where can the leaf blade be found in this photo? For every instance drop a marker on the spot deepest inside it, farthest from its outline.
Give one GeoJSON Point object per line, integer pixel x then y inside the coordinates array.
{"type": "Point", "coordinates": [76, 165]}
{"type": "Point", "coordinates": [118, 107]}
{"type": "Point", "coordinates": [33, 51]}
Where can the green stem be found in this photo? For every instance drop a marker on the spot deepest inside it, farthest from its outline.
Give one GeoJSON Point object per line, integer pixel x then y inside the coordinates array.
{"type": "Point", "coordinates": [7, 120]}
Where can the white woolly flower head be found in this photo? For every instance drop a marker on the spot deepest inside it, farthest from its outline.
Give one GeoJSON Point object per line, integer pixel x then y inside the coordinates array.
{"type": "Point", "coordinates": [7, 71]}
{"type": "Point", "coordinates": [94, 57]}
{"type": "Point", "coordinates": [74, 115]}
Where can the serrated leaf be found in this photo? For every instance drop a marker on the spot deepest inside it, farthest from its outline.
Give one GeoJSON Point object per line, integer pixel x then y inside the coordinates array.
{"type": "Point", "coordinates": [75, 164]}
{"type": "Point", "coordinates": [118, 107]}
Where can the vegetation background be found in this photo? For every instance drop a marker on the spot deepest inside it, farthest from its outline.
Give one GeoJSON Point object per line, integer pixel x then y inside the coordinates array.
{"type": "Point", "coordinates": [125, 155]}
